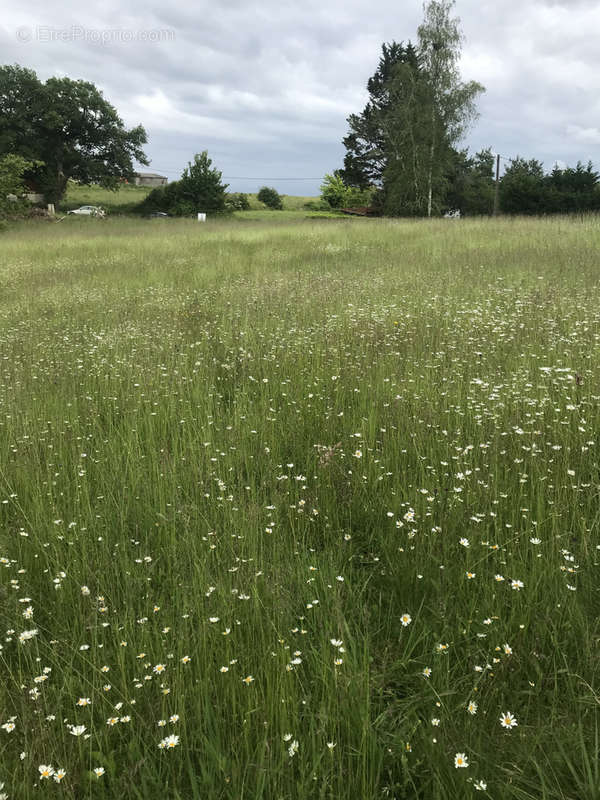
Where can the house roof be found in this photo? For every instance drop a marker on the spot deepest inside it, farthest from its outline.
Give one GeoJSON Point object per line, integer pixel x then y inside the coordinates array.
{"type": "Point", "coordinates": [149, 175]}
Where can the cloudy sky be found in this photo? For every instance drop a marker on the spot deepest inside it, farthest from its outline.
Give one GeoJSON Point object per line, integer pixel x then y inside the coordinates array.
{"type": "Point", "coordinates": [266, 86]}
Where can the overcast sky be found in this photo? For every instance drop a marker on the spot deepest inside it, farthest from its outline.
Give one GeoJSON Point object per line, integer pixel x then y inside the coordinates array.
{"type": "Point", "coordinates": [266, 86]}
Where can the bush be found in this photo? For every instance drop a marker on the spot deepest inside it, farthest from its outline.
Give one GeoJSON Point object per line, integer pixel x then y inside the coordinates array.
{"type": "Point", "coordinates": [271, 198]}
{"type": "Point", "coordinates": [317, 205]}
{"type": "Point", "coordinates": [12, 187]}
{"type": "Point", "coordinates": [199, 189]}
{"type": "Point", "coordinates": [237, 201]}
{"type": "Point", "coordinates": [336, 194]}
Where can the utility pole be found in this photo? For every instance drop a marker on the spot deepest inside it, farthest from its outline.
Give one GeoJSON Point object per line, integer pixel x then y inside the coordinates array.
{"type": "Point", "coordinates": [497, 187]}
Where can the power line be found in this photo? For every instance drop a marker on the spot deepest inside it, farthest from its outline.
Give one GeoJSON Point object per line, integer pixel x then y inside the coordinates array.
{"type": "Point", "coordinates": [246, 178]}
{"type": "Point", "coordinates": [243, 178]}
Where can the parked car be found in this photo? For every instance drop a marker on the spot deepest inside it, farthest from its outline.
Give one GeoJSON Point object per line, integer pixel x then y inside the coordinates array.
{"type": "Point", "coordinates": [88, 211]}
{"type": "Point", "coordinates": [157, 215]}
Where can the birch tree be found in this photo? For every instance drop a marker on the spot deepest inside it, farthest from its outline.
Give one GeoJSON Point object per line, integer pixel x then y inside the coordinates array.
{"type": "Point", "coordinates": [452, 102]}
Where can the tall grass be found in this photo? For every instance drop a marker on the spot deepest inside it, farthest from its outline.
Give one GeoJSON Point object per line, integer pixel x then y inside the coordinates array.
{"type": "Point", "coordinates": [320, 500]}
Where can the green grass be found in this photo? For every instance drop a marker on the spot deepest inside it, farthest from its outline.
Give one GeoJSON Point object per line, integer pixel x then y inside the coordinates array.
{"type": "Point", "coordinates": [121, 201]}
{"type": "Point", "coordinates": [235, 451]}
{"type": "Point", "coordinates": [290, 202]}
{"type": "Point", "coordinates": [126, 198]}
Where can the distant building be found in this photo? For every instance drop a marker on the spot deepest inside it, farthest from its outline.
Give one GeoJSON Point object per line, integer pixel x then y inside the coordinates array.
{"type": "Point", "coordinates": [149, 179]}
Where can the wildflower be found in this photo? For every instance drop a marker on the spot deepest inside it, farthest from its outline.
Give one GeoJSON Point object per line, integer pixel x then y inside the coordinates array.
{"type": "Point", "coordinates": [460, 761]}
{"type": "Point", "coordinates": [8, 726]}
{"type": "Point", "coordinates": [98, 771]}
{"type": "Point", "coordinates": [287, 737]}
{"type": "Point", "coordinates": [158, 668]}
{"type": "Point", "coordinates": [77, 730]}
{"type": "Point", "coordinates": [499, 578]}
{"type": "Point", "coordinates": [112, 721]}
{"type": "Point", "coordinates": [186, 660]}
{"type": "Point", "coordinates": [59, 775]}
{"type": "Point", "coordinates": [174, 718]}
{"type": "Point", "coordinates": [169, 742]}
{"type": "Point", "coordinates": [26, 635]}
{"type": "Point", "coordinates": [480, 785]}
{"type": "Point", "coordinates": [248, 680]}
{"type": "Point", "coordinates": [435, 722]}
{"type": "Point", "coordinates": [46, 771]}
{"type": "Point", "coordinates": [293, 748]}
{"type": "Point", "coordinates": [464, 542]}
{"type": "Point", "coordinates": [405, 619]}
{"type": "Point", "coordinates": [507, 649]}
{"type": "Point", "coordinates": [507, 720]}
{"type": "Point", "coordinates": [517, 585]}
{"type": "Point", "coordinates": [83, 701]}
{"type": "Point", "coordinates": [426, 672]}
{"type": "Point", "coordinates": [331, 745]}
{"type": "Point", "coordinates": [224, 669]}
{"type": "Point", "coordinates": [470, 575]}
{"type": "Point", "coordinates": [472, 707]}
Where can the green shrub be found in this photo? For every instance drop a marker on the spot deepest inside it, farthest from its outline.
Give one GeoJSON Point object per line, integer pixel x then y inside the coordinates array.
{"type": "Point", "coordinates": [271, 198]}
{"type": "Point", "coordinates": [237, 201]}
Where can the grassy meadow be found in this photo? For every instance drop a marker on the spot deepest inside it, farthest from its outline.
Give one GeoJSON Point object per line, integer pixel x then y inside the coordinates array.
{"type": "Point", "coordinates": [124, 200]}
{"type": "Point", "coordinates": [306, 510]}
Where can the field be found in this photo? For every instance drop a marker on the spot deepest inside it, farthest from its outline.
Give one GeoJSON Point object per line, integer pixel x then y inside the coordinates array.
{"type": "Point", "coordinates": [306, 510]}
{"type": "Point", "coordinates": [126, 198]}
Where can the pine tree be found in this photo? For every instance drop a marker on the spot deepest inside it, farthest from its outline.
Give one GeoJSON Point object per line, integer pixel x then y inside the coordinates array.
{"type": "Point", "coordinates": [366, 143]}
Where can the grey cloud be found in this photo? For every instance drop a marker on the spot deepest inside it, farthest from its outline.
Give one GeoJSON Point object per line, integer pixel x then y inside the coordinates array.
{"type": "Point", "coordinates": [266, 88]}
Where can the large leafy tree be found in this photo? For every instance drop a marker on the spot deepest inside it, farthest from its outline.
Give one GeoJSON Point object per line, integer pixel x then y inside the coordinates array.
{"type": "Point", "coordinates": [419, 108]}
{"type": "Point", "coordinates": [69, 126]}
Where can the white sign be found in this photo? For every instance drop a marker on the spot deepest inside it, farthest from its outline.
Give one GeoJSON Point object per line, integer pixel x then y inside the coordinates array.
{"type": "Point", "coordinates": [201, 217]}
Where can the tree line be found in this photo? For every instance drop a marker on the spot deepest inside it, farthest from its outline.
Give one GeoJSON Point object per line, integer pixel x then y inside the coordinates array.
{"type": "Point", "coordinates": [402, 155]}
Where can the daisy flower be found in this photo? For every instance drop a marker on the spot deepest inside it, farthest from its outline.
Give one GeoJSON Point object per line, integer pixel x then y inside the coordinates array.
{"type": "Point", "coordinates": [507, 720]}
{"type": "Point", "coordinates": [460, 761]}
{"type": "Point", "coordinates": [169, 742]}
{"type": "Point", "coordinates": [46, 771]}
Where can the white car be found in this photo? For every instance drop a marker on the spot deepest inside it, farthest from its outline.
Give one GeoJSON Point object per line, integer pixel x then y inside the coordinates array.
{"type": "Point", "coordinates": [88, 211]}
